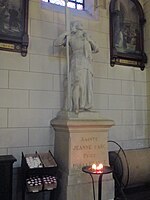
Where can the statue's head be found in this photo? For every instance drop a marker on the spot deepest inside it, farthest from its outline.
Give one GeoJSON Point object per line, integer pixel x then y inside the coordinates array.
{"type": "Point", "coordinates": [76, 25]}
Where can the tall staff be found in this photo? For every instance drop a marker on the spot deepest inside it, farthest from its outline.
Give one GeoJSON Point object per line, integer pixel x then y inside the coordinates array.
{"type": "Point", "coordinates": [67, 23]}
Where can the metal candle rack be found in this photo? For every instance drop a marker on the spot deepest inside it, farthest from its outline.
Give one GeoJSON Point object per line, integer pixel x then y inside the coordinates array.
{"type": "Point", "coordinates": [100, 173]}
{"type": "Point", "coordinates": [38, 172]}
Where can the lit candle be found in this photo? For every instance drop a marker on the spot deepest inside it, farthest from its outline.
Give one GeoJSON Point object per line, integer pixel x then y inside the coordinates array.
{"type": "Point", "coordinates": [100, 166]}
{"type": "Point", "coordinates": [97, 169]}
{"type": "Point", "coordinates": [94, 166]}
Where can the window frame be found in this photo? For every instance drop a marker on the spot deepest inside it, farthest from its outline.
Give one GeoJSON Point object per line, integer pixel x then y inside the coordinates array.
{"type": "Point", "coordinates": [72, 1]}
{"type": "Point", "coordinates": [89, 11]}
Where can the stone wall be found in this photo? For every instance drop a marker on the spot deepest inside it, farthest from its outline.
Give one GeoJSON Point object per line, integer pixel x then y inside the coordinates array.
{"type": "Point", "coordinates": [31, 87]}
{"type": "Point", "coordinates": [146, 5]}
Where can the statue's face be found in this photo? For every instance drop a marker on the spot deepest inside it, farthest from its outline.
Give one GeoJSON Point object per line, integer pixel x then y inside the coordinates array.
{"type": "Point", "coordinates": [73, 29]}
{"type": "Point", "coordinates": [79, 26]}
{"type": "Point", "coordinates": [76, 26]}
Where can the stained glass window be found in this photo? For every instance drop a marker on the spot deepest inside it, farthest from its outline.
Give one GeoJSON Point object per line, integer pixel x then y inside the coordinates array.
{"type": "Point", "coordinates": [76, 4]}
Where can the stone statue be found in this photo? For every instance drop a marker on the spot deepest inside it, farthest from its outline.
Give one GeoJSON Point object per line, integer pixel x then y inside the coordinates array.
{"type": "Point", "coordinates": [81, 47]}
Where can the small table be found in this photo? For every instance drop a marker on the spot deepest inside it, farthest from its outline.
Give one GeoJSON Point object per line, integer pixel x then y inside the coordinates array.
{"type": "Point", "coordinates": [90, 171]}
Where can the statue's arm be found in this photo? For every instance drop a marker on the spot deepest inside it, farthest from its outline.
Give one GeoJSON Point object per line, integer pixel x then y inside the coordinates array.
{"type": "Point", "coordinates": [61, 40]}
{"type": "Point", "coordinates": [94, 47]}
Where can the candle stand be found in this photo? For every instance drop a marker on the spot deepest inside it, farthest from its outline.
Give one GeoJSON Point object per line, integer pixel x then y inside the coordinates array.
{"type": "Point", "coordinates": [100, 173]}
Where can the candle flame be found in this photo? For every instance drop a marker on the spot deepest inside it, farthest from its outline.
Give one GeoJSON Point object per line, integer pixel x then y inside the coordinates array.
{"type": "Point", "coordinates": [94, 166]}
{"type": "Point", "coordinates": [99, 167]}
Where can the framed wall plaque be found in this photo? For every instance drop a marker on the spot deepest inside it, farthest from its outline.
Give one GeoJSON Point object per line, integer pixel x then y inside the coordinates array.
{"type": "Point", "coordinates": [126, 33]}
{"type": "Point", "coordinates": [14, 25]}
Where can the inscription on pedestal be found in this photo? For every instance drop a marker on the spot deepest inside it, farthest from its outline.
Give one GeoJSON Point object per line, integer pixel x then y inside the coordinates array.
{"type": "Point", "coordinates": [86, 150]}
{"type": "Point", "coordinates": [81, 142]}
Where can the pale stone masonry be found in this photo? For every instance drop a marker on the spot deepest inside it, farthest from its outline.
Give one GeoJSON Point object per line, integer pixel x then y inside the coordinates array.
{"type": "Point", "coordinates": [147, 43]}
{"type": "Point", "coordinates": [31, 87]}
{"type": "Point", "coordinates": [81, 140]}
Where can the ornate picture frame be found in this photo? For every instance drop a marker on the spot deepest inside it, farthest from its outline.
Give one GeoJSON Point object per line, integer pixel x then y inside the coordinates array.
{"type": "Point", "coordinates": [14, 25]}
{"type": "Point", "coordinates": [126, 33]}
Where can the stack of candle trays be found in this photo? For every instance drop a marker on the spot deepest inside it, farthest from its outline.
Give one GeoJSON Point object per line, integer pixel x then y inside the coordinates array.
{"type": "Point", "coordinates": [49, 182]}
{"type": "Point", "coordinates": [34, 162]}
{"type": "Point", "coordinates": [34, 184]}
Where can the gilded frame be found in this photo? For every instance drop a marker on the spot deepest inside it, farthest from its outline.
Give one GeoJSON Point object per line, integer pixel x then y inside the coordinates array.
{"type": "Point", "coordinates": [126, 33]}
{"type": "Point", "coordinates": [14, 25]}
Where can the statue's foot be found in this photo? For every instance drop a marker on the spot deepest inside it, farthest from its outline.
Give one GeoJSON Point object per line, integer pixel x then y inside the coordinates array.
{"type": "Point", "coordinates": [85, 109]}
{"type": "Point", "coordinates": [77, 111]}
{"type": "Point", "coordinates": [88, 108]}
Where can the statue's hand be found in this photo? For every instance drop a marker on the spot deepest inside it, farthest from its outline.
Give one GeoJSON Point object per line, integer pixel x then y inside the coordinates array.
{"type": "Point", "coordinates": [86, 35]}
{"type": "Point", "coordinates": [61, 40]}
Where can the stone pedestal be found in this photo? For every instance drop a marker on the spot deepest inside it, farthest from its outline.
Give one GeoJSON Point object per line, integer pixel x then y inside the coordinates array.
{"type": "Point", "coordinates": [79, 141]}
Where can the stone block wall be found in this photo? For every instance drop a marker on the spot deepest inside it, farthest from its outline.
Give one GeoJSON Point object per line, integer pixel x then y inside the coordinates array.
{"type": "Point", "coordinates": [31, 87]}
{"type": "Point", "coordinates": [146, 5]}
